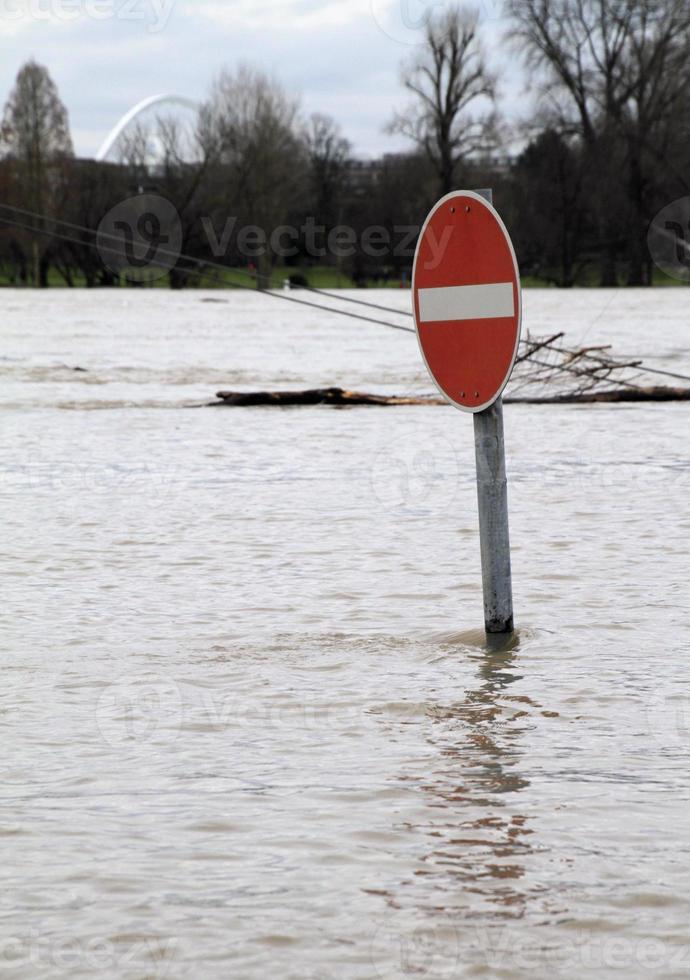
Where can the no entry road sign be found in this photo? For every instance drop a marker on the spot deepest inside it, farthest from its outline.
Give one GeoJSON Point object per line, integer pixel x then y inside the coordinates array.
{"type": "Point", "coordinates": [467, 302]}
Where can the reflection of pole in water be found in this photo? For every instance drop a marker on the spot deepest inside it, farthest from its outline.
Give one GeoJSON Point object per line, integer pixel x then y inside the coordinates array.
{"type": "Point", "coordinates": [480, 845]}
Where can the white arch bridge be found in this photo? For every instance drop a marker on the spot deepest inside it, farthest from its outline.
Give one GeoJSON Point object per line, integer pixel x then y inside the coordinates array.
{"type": "Point", "coordinates": [137, 110]}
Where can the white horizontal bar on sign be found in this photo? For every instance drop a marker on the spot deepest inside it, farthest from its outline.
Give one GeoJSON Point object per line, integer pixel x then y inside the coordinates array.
{"type": "Point", "coordinates": [491, 299]}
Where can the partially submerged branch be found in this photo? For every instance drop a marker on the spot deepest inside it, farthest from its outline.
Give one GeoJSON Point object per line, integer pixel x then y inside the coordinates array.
{"type": "Point", "coordinates": [341, 398]}
{"type": "Point", "coordinates": [337, 397]}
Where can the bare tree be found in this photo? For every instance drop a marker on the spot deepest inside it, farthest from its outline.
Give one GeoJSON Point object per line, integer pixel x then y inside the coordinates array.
{"type": "Point", "coordinates": [187, 158]}
{"type": "Point", "coordinates": [95, 188]}
{"type": "Point", "coordinates": [328, 153]}
{"type": "Point", "coordinates": [550, 216]}
{"type": "Point", "coordinates": [654, 121]}
{"type": "Point", "coordinates": [35, 135]}
{"type": "Point", "coordinates": [447, 78]}
{"type": "Point", "coordinates": [134, 152]}
{"type": "Point", "coordinates": [253, 124]}
{"type": "Point", "coordinates": [616, 72]}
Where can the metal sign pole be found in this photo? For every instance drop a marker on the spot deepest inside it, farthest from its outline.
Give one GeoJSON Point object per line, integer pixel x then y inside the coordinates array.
{"type": "Point", "coordinates": [492, 495]}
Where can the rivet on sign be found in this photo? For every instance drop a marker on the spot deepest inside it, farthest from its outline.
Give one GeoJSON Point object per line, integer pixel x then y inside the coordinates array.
{"type": "Point", "coordinates": [476, 394]}
{"type": "Point", "coordinates": [468, 209]}
{"type": "Point", "coordinates": [462, 394]}
{"type": "Point", "coordinates": [452, 210]}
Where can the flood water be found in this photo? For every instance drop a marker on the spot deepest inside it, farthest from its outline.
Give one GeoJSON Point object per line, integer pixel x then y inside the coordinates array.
{"type": "Point", "coordinates": [250, 726]}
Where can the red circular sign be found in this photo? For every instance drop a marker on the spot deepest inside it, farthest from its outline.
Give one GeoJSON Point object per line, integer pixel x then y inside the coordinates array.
{"type": "Point", "coordinates": [467, 300]}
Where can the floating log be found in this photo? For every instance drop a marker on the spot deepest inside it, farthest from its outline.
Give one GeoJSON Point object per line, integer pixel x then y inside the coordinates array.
{"type": "Point", "coordinates": [338, 397]}
{"type": "Point", "coordinates": [656, 393]}
{"type": "Point", "coordinates": [342, 398]}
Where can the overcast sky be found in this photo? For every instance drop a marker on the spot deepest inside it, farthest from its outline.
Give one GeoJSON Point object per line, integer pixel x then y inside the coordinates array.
{"type": "Point", "coordinates": [341, 56]}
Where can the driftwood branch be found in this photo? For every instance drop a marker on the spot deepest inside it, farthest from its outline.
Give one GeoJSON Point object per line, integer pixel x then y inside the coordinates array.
{"type": "Point", "coordinates": [657, 393]}
{"type": "Point", "coordinates": [547, 372]}
{"type": "Point", "coordinates": [341, 398]}
{"type": "Point", "coordinates": [337, 397]}
{"type": "Point", "coordinates": [534, 345]}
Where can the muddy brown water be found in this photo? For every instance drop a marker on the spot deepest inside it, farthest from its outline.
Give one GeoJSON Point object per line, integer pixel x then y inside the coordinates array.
{"type": "Point", "coordinates": [250, 725]}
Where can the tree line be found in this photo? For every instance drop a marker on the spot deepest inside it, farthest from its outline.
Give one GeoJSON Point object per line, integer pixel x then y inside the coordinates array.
{"type": "Point", "coordinates": [602, 148]}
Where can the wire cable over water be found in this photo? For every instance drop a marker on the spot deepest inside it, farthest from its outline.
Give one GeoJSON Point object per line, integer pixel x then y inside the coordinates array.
{"type": "Point", "coordinates": [202, 264]}
{"type": "Point", "coordinates": [587, 368]}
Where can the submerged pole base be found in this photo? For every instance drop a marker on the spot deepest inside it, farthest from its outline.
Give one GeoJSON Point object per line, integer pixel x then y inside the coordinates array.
{"type": "Point", "coordinates": [496, 627]}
